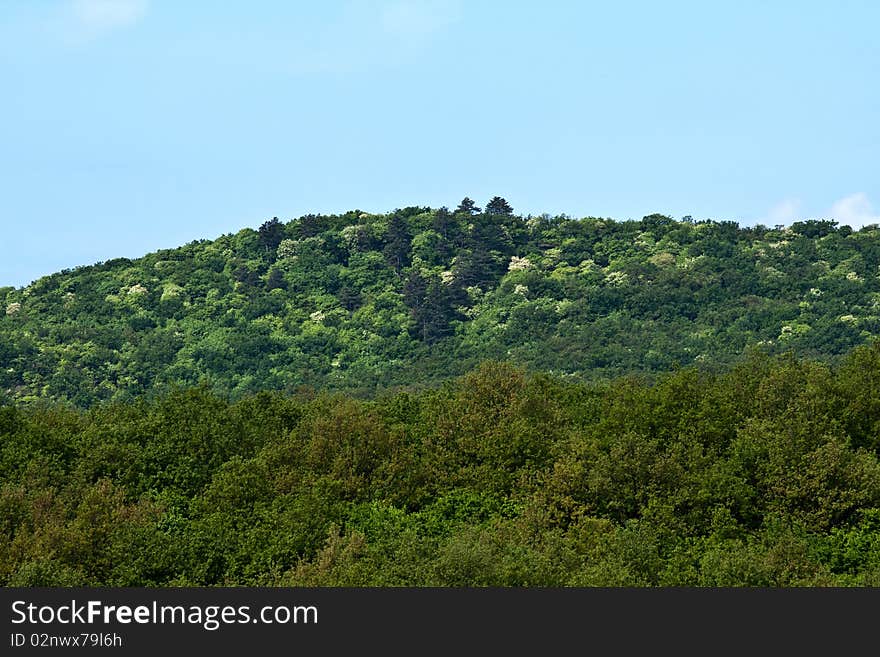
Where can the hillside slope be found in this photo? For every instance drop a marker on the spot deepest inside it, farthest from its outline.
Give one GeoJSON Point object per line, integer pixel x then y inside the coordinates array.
{"type": "Point", "coordinates": [362, 301]}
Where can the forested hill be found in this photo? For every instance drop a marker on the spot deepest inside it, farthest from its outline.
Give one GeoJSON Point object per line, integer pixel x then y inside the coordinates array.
{"type": "Point", "coordinates": [361, 301]}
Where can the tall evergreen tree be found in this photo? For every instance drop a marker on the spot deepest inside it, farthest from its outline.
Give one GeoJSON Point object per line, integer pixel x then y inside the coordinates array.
{"type": "Point", "coordinates": [443, 222]}
{"type": "Point", "coordinates": [432, 307]}
{"type": "Point", "coordinates": [414, 290]}
{"type": "Point", "coordinates": [271, 233]}
{"type": "Point", "coordinates": [276, 280]}
{"type": "Point", "coordinates": [449, 230]}
{"type": "Point", "coordinates": [349, 298]}
{"type": "Point", "coordinates": [467, 206]}
{"type": "Point", "coordinates": [308, 225]}
{"type": "Point", "coordinates": [398, 243]}
{"type": "Point", "coordinates": [499, 206]}
{"type": "Point", "coordinates": [476, 266]}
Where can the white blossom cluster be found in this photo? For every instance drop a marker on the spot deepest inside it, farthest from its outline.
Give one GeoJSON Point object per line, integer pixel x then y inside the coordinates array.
{"type": "Point", "coordinates": [286, 249]}
{"type": "Point", "coordinates": [171, 291]}
{"type": "Point", "coordinates": [351, 234]}
{"type": "Point", "coordinates": [517, 264]}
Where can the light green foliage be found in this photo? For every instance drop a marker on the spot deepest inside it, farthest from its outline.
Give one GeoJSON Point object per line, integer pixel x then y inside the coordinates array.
{"type": "Point", "coordinates": [590, 298]}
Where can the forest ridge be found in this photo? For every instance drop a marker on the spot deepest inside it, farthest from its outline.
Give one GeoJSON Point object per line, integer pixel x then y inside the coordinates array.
{"type": "Point", "coordinates": [360, 302]}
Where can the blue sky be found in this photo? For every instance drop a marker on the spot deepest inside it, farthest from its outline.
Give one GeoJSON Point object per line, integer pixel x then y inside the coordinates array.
{"type": "Point", "coordinates": [132, 125]}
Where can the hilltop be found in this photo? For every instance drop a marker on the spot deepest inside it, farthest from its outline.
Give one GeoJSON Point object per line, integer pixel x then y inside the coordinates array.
{"type": "Point", "coordinates": [360, 302]}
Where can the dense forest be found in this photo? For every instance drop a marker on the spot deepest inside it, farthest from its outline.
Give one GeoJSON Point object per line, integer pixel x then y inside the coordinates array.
{"type": "Point", "coordinates": [457, 397]}
{"type": "Point", "coordinates": [366, 302]}
{"type": "Point", "coordinates": [764, 475]}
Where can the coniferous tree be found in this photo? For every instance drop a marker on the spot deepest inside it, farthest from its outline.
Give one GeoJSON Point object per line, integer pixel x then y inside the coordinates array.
{"type": "Point", "coordinates": [414, 290]}
{"type": "Point", "coordinates": [349, 298]}
{"type": "Point", "coordinates": [447, 227]}
{"type": "Point", "coordinates": [476, 266]}
{"type": "Point", "coordinates": [432, 306]}
{"type": "Point", "coordinates": [276, 280]}
{"type": "Point", "coordinates": [398, 243]}
{"type": "Point", "coordinates": [467, 206]}
{"type": "Point", "coordinates": [271, 233]}
{"type": "Point", "coordinates": [309, 225]}
{"type": "Point", "coordinates": [499, 206]}
{"type": "Point", "coordinates": [245, 275]}
{"type": "Point", "coordinates": [443, 223]}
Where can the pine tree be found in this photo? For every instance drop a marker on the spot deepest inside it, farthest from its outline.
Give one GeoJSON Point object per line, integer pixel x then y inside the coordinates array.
{"type": "Point", "coordinates": [467, 206]}
{"type": "Point", "coordinates": [398, 244]}
{"type": "Point", "coordinates": [432, 307]}
{"type": "Point", "coordinates": [276, 280]}
{"type": "Point", "coordinates": [271, 233]}
{"type": "Point", "coordinates": [449, 230]}
{"type": "Point", "coordinates": [499, 206]}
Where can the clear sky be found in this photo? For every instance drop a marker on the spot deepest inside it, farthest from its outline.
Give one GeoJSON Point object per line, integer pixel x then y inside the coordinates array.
{"type": "Point", "coordinates": [132, 125]}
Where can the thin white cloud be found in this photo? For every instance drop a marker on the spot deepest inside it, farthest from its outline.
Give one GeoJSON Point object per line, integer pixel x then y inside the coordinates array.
{"type": "Point", "coordinates": [854, 210]}
{"type": "Point", "coordinates": [94, 17]}
{"type": "Point", "coordinates": [366, 36]}
{"type": "Point", "coordinates": [413, 20]}
{"type": "Point", "coordinates": [785, 212]}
